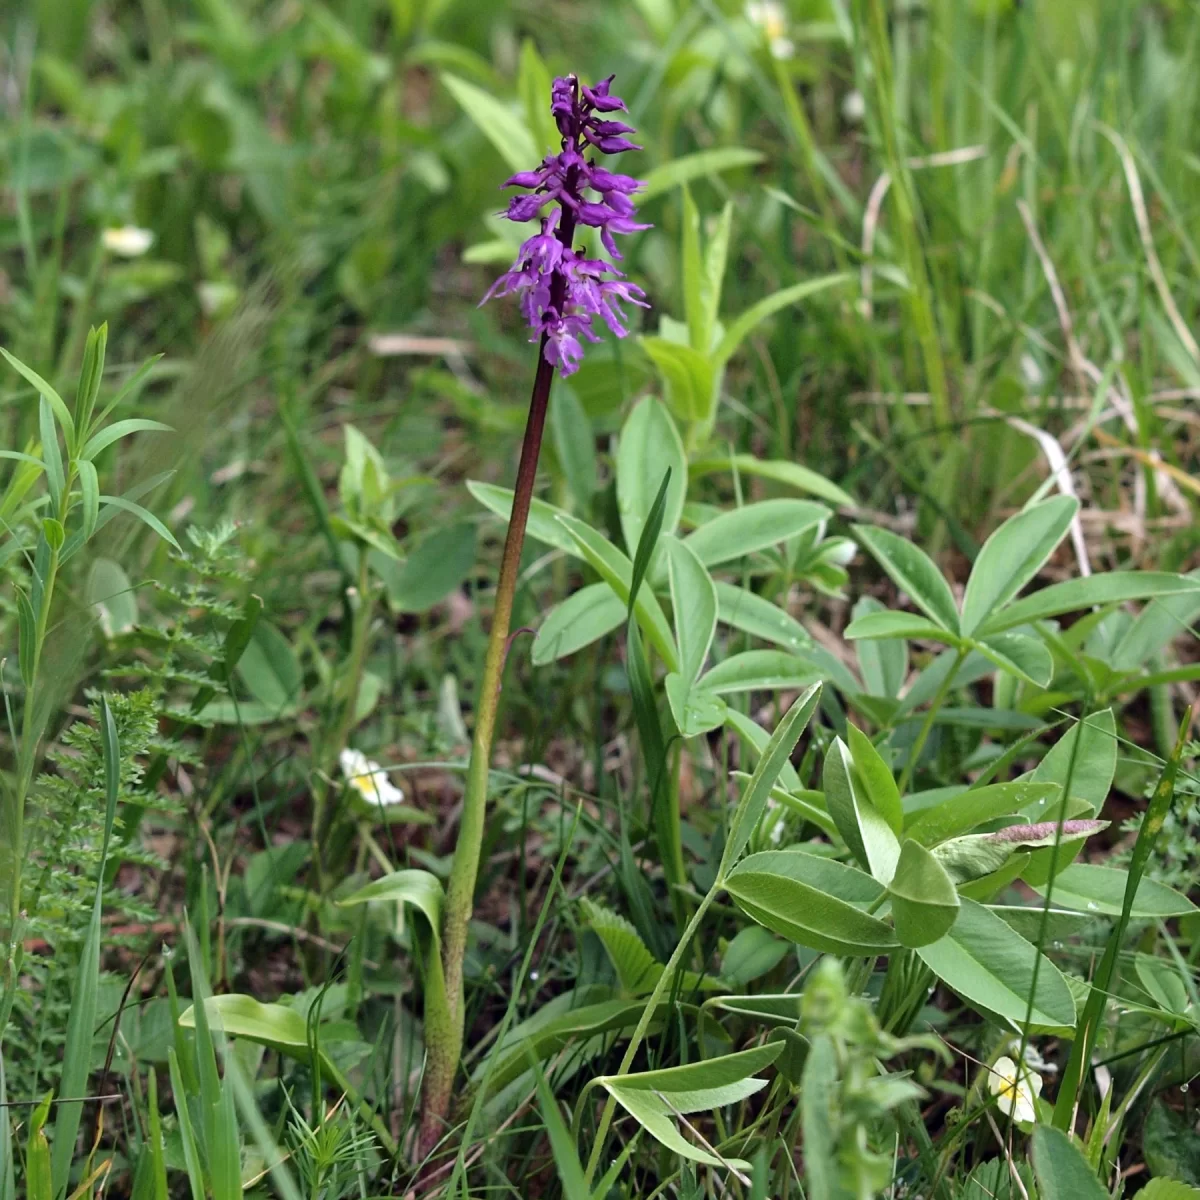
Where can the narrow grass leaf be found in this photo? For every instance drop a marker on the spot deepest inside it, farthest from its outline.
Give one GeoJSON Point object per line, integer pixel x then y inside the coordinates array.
{"type": "Point", "coordinates": [793, 475]}
{"type": "Point", "coordinates": [562, 1145]}
{"type": "Point", "coordinates": [51, 396]}
{"type": "Point", "coordinates": [774, 756]}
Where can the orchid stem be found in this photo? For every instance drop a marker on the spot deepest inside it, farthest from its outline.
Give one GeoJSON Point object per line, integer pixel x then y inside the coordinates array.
{"type": "Point", "coordinates": [444, 1040]}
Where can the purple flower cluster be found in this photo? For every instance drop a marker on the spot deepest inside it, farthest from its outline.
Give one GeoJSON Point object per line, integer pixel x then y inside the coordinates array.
{"type": "Point", "coordinates": [561, 290]}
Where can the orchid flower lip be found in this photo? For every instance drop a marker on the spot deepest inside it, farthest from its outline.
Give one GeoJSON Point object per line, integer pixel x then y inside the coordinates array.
{"type": "Point", "coordinates": [561, 291]}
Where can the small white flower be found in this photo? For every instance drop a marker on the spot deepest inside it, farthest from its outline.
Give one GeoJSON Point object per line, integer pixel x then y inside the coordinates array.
{"type": "Point", "coordinates": [854, 107]}
{"type": "Point", "coordinates": [1031, 372]}
{"type": "Point", "coordinates": [369, 779]}
{"type": "Point", "coordinates": [1016, 1091]}
{"type": "Point", "coordinates": [217, 297]}
{"type": "Point", "coordinates": [770, 17]}
{"type": "Point", "coordinates": [129, 241]}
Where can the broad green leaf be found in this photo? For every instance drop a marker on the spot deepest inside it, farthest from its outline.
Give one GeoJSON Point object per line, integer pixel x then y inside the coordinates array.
{"type": "Point", "coordinates": [742, 531]}
{"type": "Point", "coordinates": [753, 614]}
{"type": "Point", "coordinates": [896, 625]}
{"type": "Point", "coordinates": [760, 670]}
{"type": "Point", "coordinates": [1087, 771]}
{"type": "Point", "coordinates": [1062, 1171]}
{"type": "Point", "coordinates": [789, 473]}
{"type": "Point", "coordinates": [924, 902]}
{"type": "Point", "coordinates": [696, 710]}
{"type": "Point", "coordinates": [433, 570]}
{"type": "Point", "coordinates": [543, 523]}
{"type": "Point", "coordinates": [419, 888]}
{"type": "Point", "coordinates": [715, 258]}
{"type": "Point", "coordinates": [1167, 1189]}
{"type": "Point", "coordinates": [574, 442]}
{"type": "Point", "coordinates": [883, 664]}
{"type": "Point", "coordinates": [989, 964]}
{"type": "Point", "coordinates": [658, 1112]}
{"type": "Point", "coordinates": [753, 953]}
{"type": "Point", "coordinates": [694, 606]}
{"type": "Point", "coordinates": [979, 854]}
{"type": "Point", "coordinates": [741, 327]}
{"type": "Point", "coordinates": [616, 570]}
{"type": "Point", "coordinates": [533, 86]}
{"type": "Point", "coordinates": [692, 270]}
{"type": "Point", "coordinates": [496, 121]}
{"type": "Point", "coordinates": [862, 826]}
{"type": "Point", "coordinates": [1019, 655]}
{"type": "Point", "coordinates": [773, 758]}
{"type": "Point", "coordinates": [963, 812]}
{"type": "Point", "coordinates": [813, 901]}
{"type": "Point", "coordinates": [913, 572]}
{"type": "Point", "coordinates": [688, 375]}
{"type": "Point", "coordinates": [1156, 626]}
{"type": "Point", "coordinates": [578, 621]}
{"type": "Point", "coordinates": [1095, 889]}
{"type": "Point", "coordinates": [711, 1075]}
{"type": "Point", "coordinates": [699, 165]}
{"type": "Point", "coordinates": [580, 1024]}
{"type": "Point", "coordinates": [875, 778]}
{"type": "Point", "coordinates": [118, 430]}
{"type": "Point", "coordinates": [1114, 587]}
{"type": "Point", "coordinates": [1165, 984]}
{"type": "Point", "coordinates": [819, 1109]}
{"type": "Point", "coordinates": [270, 669]}
{"type": "Point", "coordinates": [112, 596]}
{"type": "Point", "coordinates": [1012, 556]}
{"type": "Point", "coordinates": [649, 445]}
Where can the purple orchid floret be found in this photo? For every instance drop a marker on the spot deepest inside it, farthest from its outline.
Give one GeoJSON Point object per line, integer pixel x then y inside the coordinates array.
{"type": "Point", "coordinates": [560, 290]}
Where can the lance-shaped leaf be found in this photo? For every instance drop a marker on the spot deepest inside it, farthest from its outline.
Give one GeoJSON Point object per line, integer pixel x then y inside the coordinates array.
{"type": "Point", "coordinates": [989, 964]}
{"type": "Point", "coordinates": [771, 763]}
{"type": "Point", "coordinates": [913, 572]}
{"type": "Point", "coordinates": [979, 854]}
{"type": "Point", "coordinates": [1012, 556]}
{"type": "Point", "coordinates": [657, 1099]}
{"type": "Point", "coordinates": [812, 900]}
{"type": "Point", "coordinates": [862, 826]}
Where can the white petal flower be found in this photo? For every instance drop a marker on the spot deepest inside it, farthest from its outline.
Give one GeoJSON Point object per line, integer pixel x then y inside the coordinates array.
{"type": "Point", "coordinates": [128, 241]}
{"type": "Point", "coordinates": [770, 17]}
{"type": "Point", "coordinates": [854, 107]}
{"type": "Point", "coordinates": [369, 779]}
{"type": "Point", "coordinates": [1016, 1091]}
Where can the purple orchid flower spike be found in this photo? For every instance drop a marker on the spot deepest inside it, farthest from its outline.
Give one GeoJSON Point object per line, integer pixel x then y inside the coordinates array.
{"type": "Point", "coordinates": [560, 290]}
